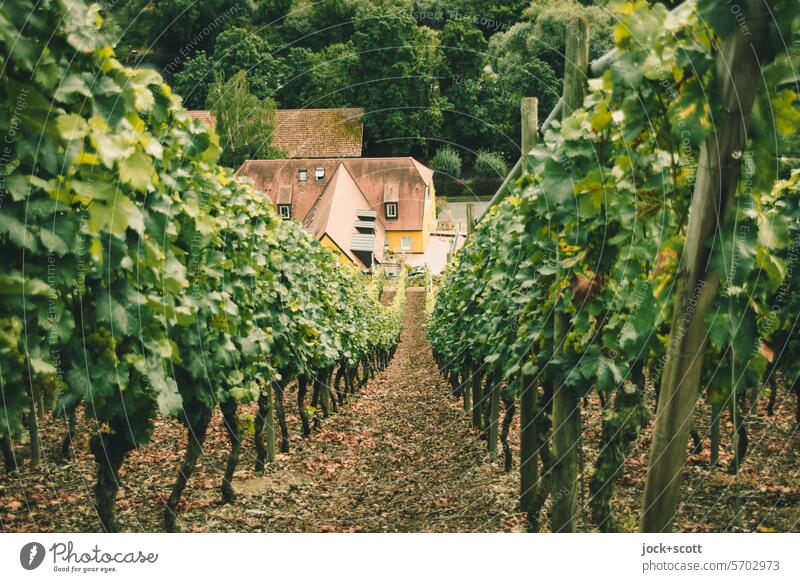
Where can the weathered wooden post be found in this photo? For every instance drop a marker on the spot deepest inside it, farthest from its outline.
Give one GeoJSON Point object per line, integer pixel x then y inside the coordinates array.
{"type": "Point", "coordinates": [566, 405]}
{"type": "Point", "coordinates": [737, 77]}
{"type": "Point", "coordinates": [528, 451]}
{"type": "Point", "coordinates": [269, 423]}
{"type": "Point", "coordinates": [529, 111]}
{"type": "Point", "coordinates": [477, 379]}
{"type": "Point", "coordinates": [494, 413]}
{"type": "Point", "coordinates": [470, 219]}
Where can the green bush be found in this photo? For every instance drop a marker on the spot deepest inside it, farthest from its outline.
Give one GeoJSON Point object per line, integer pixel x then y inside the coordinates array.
{"type": "Point", "coordinates": [446, 161]}
{"type": "Point", "coordinates": [489, 164]}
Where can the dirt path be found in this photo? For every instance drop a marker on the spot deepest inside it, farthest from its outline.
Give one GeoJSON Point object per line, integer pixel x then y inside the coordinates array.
{"type": "Point", "coordinates": [398, 458]}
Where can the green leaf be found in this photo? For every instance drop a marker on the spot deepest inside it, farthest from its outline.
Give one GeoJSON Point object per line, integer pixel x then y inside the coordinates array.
{"type": "Point", "coordinates": [53, 242]}
{"type": "Point", "coordinates": [71, 86]}
{"type": "Point", "coordinates": [72, 126]}
{"type": "Point", "coordinates": [15, 284]}
{"type": "Point", "coordinates": [136, 170]}
{"type": "Point", "coordinates": [18, 185]}
{"type": "Point", "coordinates": [17, 231]}
{"type": "Point", "coordinates": [108, 310]}
{"type": "Point", "coordinates": [39, 366]}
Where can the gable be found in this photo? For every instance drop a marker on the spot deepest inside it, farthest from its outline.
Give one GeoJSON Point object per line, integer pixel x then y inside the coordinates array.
{"type": "Point", "coordinates": [370, 174]}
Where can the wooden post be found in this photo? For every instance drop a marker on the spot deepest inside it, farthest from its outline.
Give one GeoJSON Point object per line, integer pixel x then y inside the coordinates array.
{"type": "Point", "coordinates": [566, 405]}
{"type": "Point", "coordinates": [466, 388]}
{"type": "Point", "coordinates": [529, 111]}
{"type": "Point", "coordinates": [718, 171]}
{"type": "Point", "coordinates": [269, 424]}
{"type": "Point", "coordinates": [470, 219]}
{"type": "Point", "coordinates": [528, 450]}
{"type": "Point", "coordinates": [477, 377]}
{"type": "Point", "coordinates": [33, 428]}
{"type": "Point", "coordinates": [494, 414]}
{"type": "Point", "coordinates": [716, 412]}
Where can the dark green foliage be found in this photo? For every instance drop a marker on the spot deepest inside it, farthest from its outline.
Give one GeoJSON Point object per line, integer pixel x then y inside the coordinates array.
{"type": "Point", "coordinates": [395, 73]}
{"type": "Point", "coordinates": [463, 57]}
{"type": "Point", "coordinates": [240, 49]}
{"type": "Point", "coordinates": [594, 232]}
{"type": "Point", "coordinates": [193, 81]}
{"type": "Point", "coordinates": [423, 71]}
{"type": "Point", "coordinates": [271, 12]}
{"type": "Point", "coordinates": [161, 32]}
{"type": "Point", "coordinates": [137, 274]}
{"type": "Point", "coordinates": [319, 79]}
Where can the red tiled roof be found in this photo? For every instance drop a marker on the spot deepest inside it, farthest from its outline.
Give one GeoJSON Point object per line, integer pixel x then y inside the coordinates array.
{"type": "Point", "coordinates": [311, 133]}
{"type": "Point", "coordinates": [334, 213]}
{"type": "Point", "coordinates": [390, 192]}
{"type": "Point", "coordinates": [284, 194]}
{"type": "Point", "coordinates": [371, 175]}
{"type": "Point", "coordinates": [203, 115]}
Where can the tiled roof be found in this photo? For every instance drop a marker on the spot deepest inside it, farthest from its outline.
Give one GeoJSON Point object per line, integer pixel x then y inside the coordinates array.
{"type": "Point", "coordinates": [284, 194]}
{"type": "Point", "coordinates": [371, 175]}
{"type": "Point", "coordinates": [390, 192]}
{"type": "Point", "coordinates": [335, 212]}
{"type": "Point", "coordinates": [203, 115]}
{"type": "Point", "coordinates": [312, 133]}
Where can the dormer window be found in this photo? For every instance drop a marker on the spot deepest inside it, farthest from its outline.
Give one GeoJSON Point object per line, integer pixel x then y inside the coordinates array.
{"type": "Point", "coordinates": [391, 196]}
{"type": "Point", "coordinates": [284, 201]}
{"type": "Point", "coordinates": [302, 175]}
{"type": "Point", "coordinates": [319, 174]}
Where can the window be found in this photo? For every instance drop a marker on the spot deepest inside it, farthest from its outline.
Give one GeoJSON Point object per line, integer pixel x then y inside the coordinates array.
{"type": "Point", "coordinates": [391, 210]}
{"type": "Point", "coordinates": [303, 175]}
{"type": "Point", "coordinates": [286, 211]}
{"type": "Point", "coordinates": [319, 173]}
{"type": "Point", "coordinates": [405, 243]}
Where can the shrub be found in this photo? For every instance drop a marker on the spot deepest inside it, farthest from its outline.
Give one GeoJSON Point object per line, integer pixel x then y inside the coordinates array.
{"type": "Point", "coordinates": [447, 161]}
{"type": "Point", "coordinates": [489, 164]}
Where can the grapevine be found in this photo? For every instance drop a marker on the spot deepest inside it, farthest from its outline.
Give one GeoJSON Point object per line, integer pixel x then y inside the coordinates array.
{"type": "Point", "coordinates": [593, 234]}
{"type": "Point", "coordinates": [140, 274]}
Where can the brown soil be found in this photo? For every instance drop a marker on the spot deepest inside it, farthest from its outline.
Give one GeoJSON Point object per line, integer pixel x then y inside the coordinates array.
{"type": "Point", "coordinates": [399, 457]}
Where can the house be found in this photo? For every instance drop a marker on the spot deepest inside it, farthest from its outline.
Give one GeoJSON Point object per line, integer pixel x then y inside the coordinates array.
{"type": "Point", "coordinates": [312, 133]}
{"type": "Point", "coordinates": [398, 191]}
{"type": "Point", "coordinates": [341, 219]}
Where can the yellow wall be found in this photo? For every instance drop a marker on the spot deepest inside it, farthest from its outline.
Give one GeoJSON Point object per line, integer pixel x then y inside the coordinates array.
{"type": "Point", "coordinates": [419, 238]}
{"type": "Point", "coordinates": [327, 242]}
{"type": "Point", "coordinates": [418, 241]}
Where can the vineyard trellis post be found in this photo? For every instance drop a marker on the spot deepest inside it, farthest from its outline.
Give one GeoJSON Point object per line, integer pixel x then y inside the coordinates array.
{"type": "Point", "coordinates": [566, 405]}
{"type": "Point", "coordinates": [493, 384]}
{"type": "Point", "coordinates": [33, 427]}
{"type": "Point", "coordinates": [529, 111]}
{"type": "Point", "coordinates": [528, 449]}
{"type": "Point", "coordinates": [738, 74]}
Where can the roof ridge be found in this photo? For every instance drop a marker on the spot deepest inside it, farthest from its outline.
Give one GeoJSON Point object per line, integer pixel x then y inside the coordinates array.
{"type": "Point", "coordinates": [332, 183]}
{"type": "Point", "coordinates": [319, 109]}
